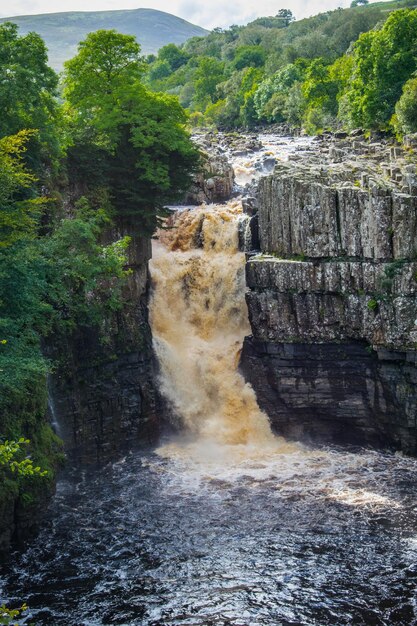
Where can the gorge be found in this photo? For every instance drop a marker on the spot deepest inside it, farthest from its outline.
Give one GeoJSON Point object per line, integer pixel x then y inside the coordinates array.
{"type": "Point", "coordinates": [226, 522]}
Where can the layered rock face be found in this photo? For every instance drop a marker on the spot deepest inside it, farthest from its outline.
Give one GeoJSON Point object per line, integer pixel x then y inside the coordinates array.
{"type": "Point", "coordinates": [103, 396]}
{"type": "Point", "coordinates": [333, 298]}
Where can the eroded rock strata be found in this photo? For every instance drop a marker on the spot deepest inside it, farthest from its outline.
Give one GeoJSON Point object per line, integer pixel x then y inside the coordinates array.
{"type": "Point", "coordinates": [103, 392]}
{"type": "Point", "coordinates": [332, 297]}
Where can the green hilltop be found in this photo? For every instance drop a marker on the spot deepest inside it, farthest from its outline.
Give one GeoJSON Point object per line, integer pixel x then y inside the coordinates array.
{"type": "Point", "coordinates": [63, 31]}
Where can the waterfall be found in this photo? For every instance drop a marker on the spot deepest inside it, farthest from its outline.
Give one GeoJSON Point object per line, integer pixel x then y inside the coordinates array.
{"type": "Point", "coordinates": [53, 417]}
{"type": "Point", "coordinates": [199, 320]}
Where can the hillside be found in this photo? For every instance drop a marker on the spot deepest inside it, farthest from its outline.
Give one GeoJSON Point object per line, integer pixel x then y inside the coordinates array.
{"type": "Point", "coordinates": [343, 68]}
{"type": "Point", "coordinates": [63, 31]}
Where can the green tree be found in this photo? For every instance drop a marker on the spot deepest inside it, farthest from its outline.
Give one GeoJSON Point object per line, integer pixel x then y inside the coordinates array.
{"type": "Point", "coordinates": [321, 96]}
{"type": "Point", "coordinates": [406, 109]}
{"type": "Point", "coordinates": [319, 87]}
{"type": "Point", "coordinates": [383, 60]}
{"type": "Point", "coordinates": [173, 55]}
{"type": "Point", "coordinates": [286, 16]}
{"type": "Point", "coordinates": [248, 112]}
{"type": "Point", "coordinates": [159, 70]}
{"type": "Point", "coordinates": [295, 105]}
{"type": "Point", "coordinates": [106, 62]}
{"type": "Point", "coordinates": [271, 97]}
{"type": "Point", "coordinates": [249, 56]}
{"type": "Point", "coordinates": [208, 75]}
{"type": "Point", "coordinates": [146, 155]}
{"type": "Point", "coordinates": [238, 97]}
{"type": "Point", "coordinates": [18, 218]}
{"type": "Point", "coordinates": [27, 93]}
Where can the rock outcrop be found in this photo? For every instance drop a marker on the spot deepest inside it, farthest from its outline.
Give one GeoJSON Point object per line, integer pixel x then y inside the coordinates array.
{"type": "Point", "coordinates": [332, 299]}
{"type": "Point", "coordinates": [214, 182]}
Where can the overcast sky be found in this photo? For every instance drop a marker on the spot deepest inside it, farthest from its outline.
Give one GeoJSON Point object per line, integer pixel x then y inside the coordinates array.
{"type": "Point", "coordinates": [206, 13]}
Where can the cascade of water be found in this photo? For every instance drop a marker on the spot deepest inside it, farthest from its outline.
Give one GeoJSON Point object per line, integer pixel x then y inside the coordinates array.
{"type": "Point", "coordinates": [51, 407]}
{"type": "Point", "coordinates": [199, 320]}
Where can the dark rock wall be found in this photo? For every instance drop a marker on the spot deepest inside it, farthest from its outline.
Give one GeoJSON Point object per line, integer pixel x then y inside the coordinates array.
{"type": "Point", "coordinates": [339, 392]}
{"type": "Point", "coordinates": [332, 303]}
{"type": "Point", "coordinates": [103, 393]}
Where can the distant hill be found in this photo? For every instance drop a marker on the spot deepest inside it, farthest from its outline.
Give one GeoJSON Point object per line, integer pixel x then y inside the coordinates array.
{"type": "Point", "coordinates": [63, 31]}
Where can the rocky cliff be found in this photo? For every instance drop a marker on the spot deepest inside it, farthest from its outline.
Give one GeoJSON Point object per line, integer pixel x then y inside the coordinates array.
{"type": "Point", "coordinates": [103, 392]}
{"type": "Point", "coordinates": [332, 299]}
{"type": "Point", "coordinates": [101, 396]}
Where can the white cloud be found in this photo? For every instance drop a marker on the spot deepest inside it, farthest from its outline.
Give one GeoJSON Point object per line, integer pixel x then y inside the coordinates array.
{"type": "Point", "coordinates": [206, 14]}
{"type": "Point", "coordinates": [220, 13]}
{"type": "Point", "coordinates": [19, 7]}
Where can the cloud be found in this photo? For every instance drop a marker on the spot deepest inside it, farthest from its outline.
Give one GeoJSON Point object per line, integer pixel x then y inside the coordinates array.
{"type": "Point", "coordinates": [20, 7]}
{"type": "Point", "coordinates": [207, 14]}
{"type": "Point", "coordinates": [219, 13]}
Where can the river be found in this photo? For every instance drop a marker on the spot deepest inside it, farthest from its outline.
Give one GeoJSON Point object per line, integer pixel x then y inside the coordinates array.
{"type": "Point", "coordinates": [226, 523]}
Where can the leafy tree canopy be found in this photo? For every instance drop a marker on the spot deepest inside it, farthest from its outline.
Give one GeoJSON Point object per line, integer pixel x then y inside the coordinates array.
{"type": "Point", "coordinates": [406, 109]}
{"type": "Point", "coordinates": [353, 64]}
{"type": "Point", "coordinates": [383, 60]}
{"type": "Point", "coordinates": [146, 154]}
{"type": "Point", "coordinates": [174, 56]}
{"type": "Point", "coordinates": [106, 63]}
{"type": "Point", "coordinates": [18, 218]}
{"type": "Point", "coordinates": [286, 16]}
{"type": "Point", "coordinates": [249, 56]}
{"type": "Point", "coordinates": [27, 92]}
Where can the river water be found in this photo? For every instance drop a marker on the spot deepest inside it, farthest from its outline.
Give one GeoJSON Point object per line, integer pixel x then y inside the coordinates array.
{"type": "Point", "coordinates": [226, 524]}
{"type": "Point", "coordinates": [307, 537]}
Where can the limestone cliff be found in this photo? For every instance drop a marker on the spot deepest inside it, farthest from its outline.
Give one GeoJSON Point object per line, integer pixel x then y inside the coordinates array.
{"type": "Point", "coordinates": [333, 298]}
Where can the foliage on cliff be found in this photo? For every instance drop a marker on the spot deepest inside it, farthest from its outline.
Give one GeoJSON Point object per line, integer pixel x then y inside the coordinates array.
{"type": "Point", "coordinates": [70, 172]}
{"type": "Point", "coordinates": [11, 459]}
{"type": "Point", "coordinates": [48, 282]}
{"type": "Point", "coordinates": [8, 616]}
{"type": "Point", "coordinates": [344, 68]}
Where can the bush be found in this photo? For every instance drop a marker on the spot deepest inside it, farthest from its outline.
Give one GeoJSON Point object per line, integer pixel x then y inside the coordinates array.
{"type": "Point", "coordinates": [406, 109]}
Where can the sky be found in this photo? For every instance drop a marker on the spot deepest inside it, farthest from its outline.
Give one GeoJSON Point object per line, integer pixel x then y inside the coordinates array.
{"type": "Point", "coordinates": [208, 13]}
